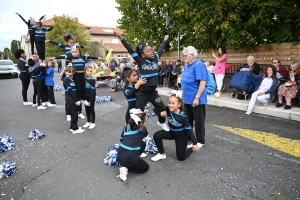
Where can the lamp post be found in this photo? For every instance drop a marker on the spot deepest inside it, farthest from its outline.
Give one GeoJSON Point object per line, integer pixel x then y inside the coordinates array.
{"type": "Point", "coordinates": [170, 24]}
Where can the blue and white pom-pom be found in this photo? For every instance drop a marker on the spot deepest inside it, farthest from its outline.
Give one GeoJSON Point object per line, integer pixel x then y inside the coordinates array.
{"type": "Point", "coordinates": [153, 113]}
{"type": "Point", "coordinates": [101, 99]}
{"type": "Point", "coordinates": [7, 169]}
{"type": "Point", "coordinates": [35, 135]}
{"type": "Point", "coordinates": [147, 105]}
{"type": "Point", "coordinates": [151, 147]}
{"type": "Point", "coordinates": [6, 143]}
{"type": "Point", "coordinates": [112, 156]}
{"type": "Point", "coordinates": [57, 88]}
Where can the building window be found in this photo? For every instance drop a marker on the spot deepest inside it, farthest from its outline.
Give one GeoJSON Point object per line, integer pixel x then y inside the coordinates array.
{"type": "Point", "coordinates": [115, 41]}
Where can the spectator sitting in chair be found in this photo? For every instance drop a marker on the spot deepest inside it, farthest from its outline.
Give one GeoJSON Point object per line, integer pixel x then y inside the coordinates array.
{"type": "Point", "coordinates": [113, 82]}
{"type": "Point", "coordinates": [165, 72]}
{"type": "Point", "coordinates": [290, 83]}
{"type": "Point", "coordinates": [251, 65]}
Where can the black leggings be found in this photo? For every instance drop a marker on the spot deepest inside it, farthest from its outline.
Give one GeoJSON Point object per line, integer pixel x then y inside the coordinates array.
{"type": "Point", "coordinates": [181, 152]}
{"type": "Point", "coordinates": [40, 46]}
{"type": "Point", "coordinates": [74, 114]}
{"type": "Point", "coordinates": [141, 166]}
{"type": "Point", "coordinates": [197, 114]}
{"type": "Point", "coordinates": [38, 91]}
{"type": "Point", "coordinates": [90, 112]}
{"type": "Point", "coordinates": [25, 84]}
{"type": "Point", "coordinates": [79, 109]}
{"type": "Point", "coordinates": [145, 95]}
{"type": "Point", "coordinates": [51, 94]}
{"type": "Point", "coordinates": [80, 85]}
{"type": "Point", "coordinates": [32, 40]}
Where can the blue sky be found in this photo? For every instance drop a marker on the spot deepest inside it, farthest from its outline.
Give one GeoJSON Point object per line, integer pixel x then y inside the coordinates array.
{"type": "Point", "coordinates": [89, 12]}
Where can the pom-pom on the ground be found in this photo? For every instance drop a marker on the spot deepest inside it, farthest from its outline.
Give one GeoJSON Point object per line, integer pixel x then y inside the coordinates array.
{"type": "Point", "coordinates": [7, 169]}
{"type": "Point", "coordinates": [101, 99]}
{"type": "Point", "coordinates": [6, 143]}
{"type": "Point", "coordinates": [57, 88]}
{"type": "Point", "coordinates": [35, 135]}
{"type": "Point", "coordinates": [151, 147]}
{"type": "Point", "coordinates": [112, 156]}
{"type": "Point", "coordinates": [147, 113]}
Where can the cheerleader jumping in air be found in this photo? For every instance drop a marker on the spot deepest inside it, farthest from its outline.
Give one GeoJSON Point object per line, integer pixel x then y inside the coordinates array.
{"type": "Point", "coordinates": [147, 59]}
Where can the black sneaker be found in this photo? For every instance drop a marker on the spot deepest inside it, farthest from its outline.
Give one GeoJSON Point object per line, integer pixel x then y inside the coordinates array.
{"type": "Point", "coordinates": [279, 105]}
{"type": "Point", "coordinates": [287, 107]}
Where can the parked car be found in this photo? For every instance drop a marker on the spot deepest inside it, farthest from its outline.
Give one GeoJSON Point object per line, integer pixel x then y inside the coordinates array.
{"type": "Point", "coordinates": [7, 68]}
{"type": "Point", "coordinates": [124, 59]}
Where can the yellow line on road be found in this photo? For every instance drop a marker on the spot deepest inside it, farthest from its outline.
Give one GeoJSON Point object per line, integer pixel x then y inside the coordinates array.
{"type": "Point", "coordinates": [285, 145]}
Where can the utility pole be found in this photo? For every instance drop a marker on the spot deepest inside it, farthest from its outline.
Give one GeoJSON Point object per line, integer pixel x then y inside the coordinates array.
{"type": "Point", "coordinates": [170, 24]}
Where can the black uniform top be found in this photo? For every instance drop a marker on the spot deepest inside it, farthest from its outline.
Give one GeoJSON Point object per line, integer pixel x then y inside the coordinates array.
{"type": "Point", "coordinates": [77, 62]}
{"type": "Point", "coordinates": [70, 89]}
{"type": "Point", "coordinates": [31, 27]}
{"type": "Point", "coordinates": [36, 73]}
{"type": "Point", "coordinates": [129, 151]}
{"type": "Point", "coordinates": [90, 91]}
{"type": "Point", "coordinates": [23, 66]}
{"type": "Point", "coordinates": [179, 124]}
{"type": "Point", "coordinates": [66, 47]}
{"type": "Point", "coordinates": [129, 92]}
{"type": "Point", "coordinates": [40, 33]}
{"type": "Point", "coordinates": [148, 68]}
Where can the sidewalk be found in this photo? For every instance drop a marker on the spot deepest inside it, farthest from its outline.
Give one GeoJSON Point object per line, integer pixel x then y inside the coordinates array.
{"type": "Point", "coordinates": [227, 101]}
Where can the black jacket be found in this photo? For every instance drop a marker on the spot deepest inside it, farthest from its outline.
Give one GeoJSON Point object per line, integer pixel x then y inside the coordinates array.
{"type": "Point", "coordinates": [90, 91]}
{"type": "Point", "coordinates": [70, 89]}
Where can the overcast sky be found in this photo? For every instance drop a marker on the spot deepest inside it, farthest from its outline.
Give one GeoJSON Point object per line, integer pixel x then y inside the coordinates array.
{"type": "Point", "coordinates": [89, 12]}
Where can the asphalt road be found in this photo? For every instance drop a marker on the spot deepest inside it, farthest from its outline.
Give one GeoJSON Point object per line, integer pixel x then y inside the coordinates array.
{"type": "Point", "coordinates": [67, 166]}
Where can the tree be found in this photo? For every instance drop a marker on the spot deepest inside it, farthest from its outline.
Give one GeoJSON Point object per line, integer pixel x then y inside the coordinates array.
{"type": "Point", "coordinates": [206, 24]}
{"type": "Point", "coordinates": [1, 55]}
{"type": "Point", "coordinates": [6, 53]}
{"type": "Point", "coordinates": [14, 45]}
{"type": "Point", "coordinates": [66, 24]}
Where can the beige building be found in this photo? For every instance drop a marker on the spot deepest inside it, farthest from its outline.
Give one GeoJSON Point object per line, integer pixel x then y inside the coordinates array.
{"type": "Point", "coordinates": [102, 40]}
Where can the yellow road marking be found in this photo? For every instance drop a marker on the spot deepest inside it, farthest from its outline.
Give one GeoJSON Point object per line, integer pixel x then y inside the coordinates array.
{"type": "Point", "coordinates": [285, 145]}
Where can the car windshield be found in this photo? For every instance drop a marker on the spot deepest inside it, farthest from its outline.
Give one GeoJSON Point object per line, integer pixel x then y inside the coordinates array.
{"type": "Point", "coordinates": [6, 62]}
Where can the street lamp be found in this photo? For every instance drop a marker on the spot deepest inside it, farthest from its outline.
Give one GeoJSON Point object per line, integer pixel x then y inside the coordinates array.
{"type": "Point", "coordinates": [170, 24]}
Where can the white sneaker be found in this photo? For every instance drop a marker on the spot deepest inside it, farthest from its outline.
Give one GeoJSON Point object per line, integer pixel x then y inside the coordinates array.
{"type": "Point", "coordinates": [68, 118]}
{"type": "Point", "coordinates": [41, 107]}
{"type": "Point", "coordinates": [51, 105]}
{"type": "Point", "coordinates": [164, 126]}
{"type": "Point", "coordinates": [93, 125]}
{"type": "Point", "coordinates": [191, 145]}
{"type": "Point", "coordinates": [44, 104]}
{"type": "Point", "coordinates": [34, 105]}
{"type": "Point", "coordinates": [85, 102]}
{"type": "Point", "coordinates": [79, 130]}
{"type": "Point", "coordinates": [143, 155]}
{"type": "Point", "coordinates": [81, 116]}
{"type": "Point", "coordinates": [71, 130]}
{"type": "Point", "coordinates": [248, 112]}
{"type": "Point", "coordinates": [28, 103]}
{"type": "Point", "coordinates": [217, 94]}
{"type": "Point", "coordinates": [158, 157]}
{"type": "Point", "coordinates": [123, 173]}
{"type": "Point", "coordinates": [86, 125]}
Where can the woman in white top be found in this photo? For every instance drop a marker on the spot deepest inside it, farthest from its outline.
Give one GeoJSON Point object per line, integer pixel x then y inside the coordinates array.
{"type": "Point", "coordinates": [267, 84]}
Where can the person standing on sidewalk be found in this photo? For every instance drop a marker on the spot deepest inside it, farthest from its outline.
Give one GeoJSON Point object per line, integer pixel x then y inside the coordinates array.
{"type": "Point", "coordinates": [220, 69]}
{"type": "Point", "coordinates": [193, 84]}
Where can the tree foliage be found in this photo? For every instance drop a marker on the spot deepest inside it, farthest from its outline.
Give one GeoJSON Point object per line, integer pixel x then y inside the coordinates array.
{"type": "Point", "coordinates": [206, 24]}
{"type": "Point", "coordinates": [14, 45]}
{"type": "Point", "coordinates": [66, 24]}
{"type": "Point", "coordinates": [7, 53]}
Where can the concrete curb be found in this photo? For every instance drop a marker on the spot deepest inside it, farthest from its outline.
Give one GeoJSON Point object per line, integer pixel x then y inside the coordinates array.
{"type": "Point", "coordinates": [275, 112]}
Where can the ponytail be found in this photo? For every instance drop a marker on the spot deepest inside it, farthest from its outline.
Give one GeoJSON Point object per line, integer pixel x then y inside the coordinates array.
{"type": "Point", "coordinates": [140, 50]}
{"type": "Point", "coordinates": [68, 37]}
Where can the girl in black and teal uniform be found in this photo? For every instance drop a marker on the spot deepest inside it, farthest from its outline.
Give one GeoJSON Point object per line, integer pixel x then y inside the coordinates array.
{"type": "Point", "coordinates": [132, 84]}
{"type": "Point", "coordinates": [40, 37]}
{"type": "Point", "coordinates": [147, 60]}
{"type": "Point", "coordinates": [180, 130]}
{"type": "Point", "coordinates": [31, 30]}
{"type": "Point", "coordinates": [132, 145]}
{"type": "Point", "coordinates": [24, 74]}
